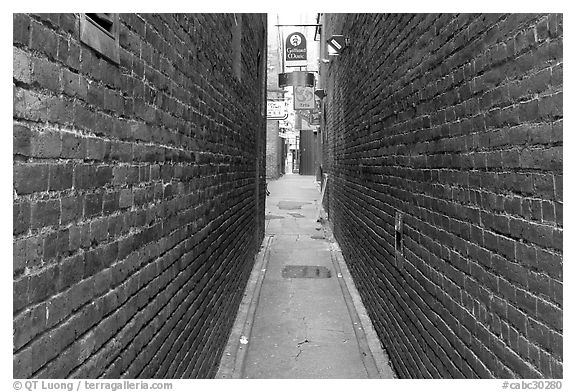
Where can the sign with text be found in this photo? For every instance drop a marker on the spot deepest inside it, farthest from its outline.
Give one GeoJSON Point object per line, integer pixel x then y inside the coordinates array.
{"type": "Point", "coordinates": [276, 110]}
{"type": "Point", "coordinates": [296, 47]}
{"type": "Point", "coordinates": [303, 98]}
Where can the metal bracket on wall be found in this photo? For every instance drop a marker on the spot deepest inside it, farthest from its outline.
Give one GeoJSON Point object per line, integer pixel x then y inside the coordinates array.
{"type": "Point", "coordinates": [399, 239]}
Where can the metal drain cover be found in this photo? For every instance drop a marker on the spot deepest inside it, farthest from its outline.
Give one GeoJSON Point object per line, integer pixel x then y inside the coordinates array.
{"type": "Point", "coordinates": [306, 271]}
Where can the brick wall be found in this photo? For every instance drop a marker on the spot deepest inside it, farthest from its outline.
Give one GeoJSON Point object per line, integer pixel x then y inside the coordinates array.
{"type": "Point", "coordinates": [273, 150]}
{"type": "Point", "coordinates": [274, 156]}
{"type": "Point", "coordinates": [454, 121]}
{"type": "Point", "coordinates": [138, 193]}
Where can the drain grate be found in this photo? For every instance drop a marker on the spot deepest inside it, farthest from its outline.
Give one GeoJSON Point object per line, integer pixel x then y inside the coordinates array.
{"type": "Point", "coordinates": [306, 271]}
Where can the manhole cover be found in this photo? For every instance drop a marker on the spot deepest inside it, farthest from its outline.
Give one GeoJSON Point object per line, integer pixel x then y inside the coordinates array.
{"type": "Point", "coordinates": [291, 205]}
{"type": "Point", "coordinates": [306, 271]}
{"type": "Point", "coordinates": [268, 217]}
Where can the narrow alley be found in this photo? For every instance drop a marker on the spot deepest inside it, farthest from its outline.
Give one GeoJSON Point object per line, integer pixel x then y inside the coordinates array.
{"type": "Point", "coordinates": [287, 196]}
{"type": "Point", "coordinates": [302, 322]}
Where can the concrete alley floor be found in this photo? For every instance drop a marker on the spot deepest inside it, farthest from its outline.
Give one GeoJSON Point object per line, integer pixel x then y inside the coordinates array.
{"type": "Point", "coordinates": [301, 316]}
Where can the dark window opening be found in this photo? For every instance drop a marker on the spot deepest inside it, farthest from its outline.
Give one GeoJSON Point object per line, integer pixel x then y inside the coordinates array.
{"type": "Point", "coordinates": [399, 242]}
{"type": "Point", "coordinates": [104, 21]}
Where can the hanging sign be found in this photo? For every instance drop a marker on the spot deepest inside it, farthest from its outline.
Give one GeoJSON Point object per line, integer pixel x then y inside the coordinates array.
{"type": "Point", "coordinates": [296, 47]}
{"type": "Point", "coordinates": [312, 117]}
{"type": "Point", "coordinates": [303, 97]}
{"type": "Point", "coordinates": [305, 114]}
{"type": "Point", "coordinates": [296, 78]}
{"type": "Point", "coordinates": [315, 118]}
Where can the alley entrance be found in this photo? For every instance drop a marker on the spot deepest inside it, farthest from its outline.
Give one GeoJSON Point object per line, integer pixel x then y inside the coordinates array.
{"type": "Point", "coordinates": [303, 317]}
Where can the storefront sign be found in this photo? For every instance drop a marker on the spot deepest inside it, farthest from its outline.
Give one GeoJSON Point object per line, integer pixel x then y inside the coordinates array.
{"type": "Point", "coordinates": [295, 47]}
{"type": "Point", "coordinates": [296, 78]}
{"type": "Point", "coordinates": [303, 98]}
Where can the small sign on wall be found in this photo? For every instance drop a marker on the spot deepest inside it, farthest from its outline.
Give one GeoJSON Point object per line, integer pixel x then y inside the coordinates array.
{"type": "Point", "coordinates": [276, 110]}
{"type": "Point", "coordinates": [399, 240]}
{"type": "Point", "coordinates": [336, 44]}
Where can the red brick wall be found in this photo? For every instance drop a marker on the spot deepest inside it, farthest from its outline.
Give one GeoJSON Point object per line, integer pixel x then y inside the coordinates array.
{"type": "Point", "coordinates": [139, 193]}
{"type": "Point", "coordinates": [456, 122]}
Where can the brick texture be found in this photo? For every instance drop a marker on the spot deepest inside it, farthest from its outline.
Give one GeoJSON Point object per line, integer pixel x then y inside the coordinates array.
{"type": "Point", "coordinates": [275, 165]}
{"type": "Point", "coordinates": [274, 150]}
{"type": "Point", "coordinates": [139, 193]}
{"type": "Point", "coordinates": [454, 121]}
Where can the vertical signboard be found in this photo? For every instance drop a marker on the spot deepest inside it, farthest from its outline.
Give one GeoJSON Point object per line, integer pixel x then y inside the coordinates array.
{"type": "Point", "coordinates": [296, 54]}
{"type": "Point", "coordinates": [303, 98]}
{"type": "Point", "coordinates": [315, 118]}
